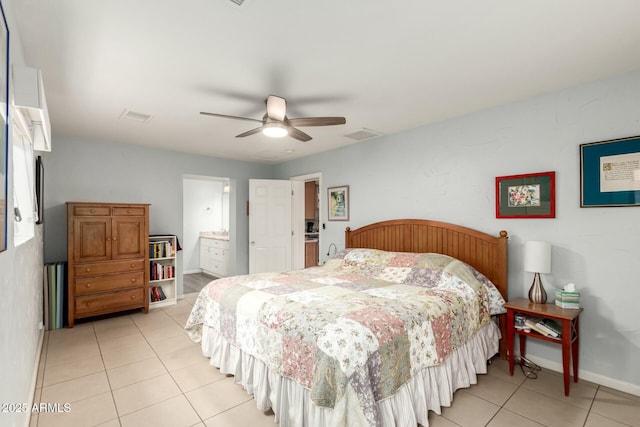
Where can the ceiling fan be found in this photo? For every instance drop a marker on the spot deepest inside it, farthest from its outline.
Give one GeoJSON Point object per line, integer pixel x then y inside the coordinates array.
{"type": "Point", "coordinates": [275, 122]}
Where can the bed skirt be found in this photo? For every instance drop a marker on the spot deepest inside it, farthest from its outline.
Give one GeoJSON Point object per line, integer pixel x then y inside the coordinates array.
{"type": "Point", "coordinates": [429, 389]}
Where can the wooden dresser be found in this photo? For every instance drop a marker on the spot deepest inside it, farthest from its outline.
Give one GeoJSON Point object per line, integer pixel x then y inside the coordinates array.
{"type": "Point", "coordinates": [108, 258]}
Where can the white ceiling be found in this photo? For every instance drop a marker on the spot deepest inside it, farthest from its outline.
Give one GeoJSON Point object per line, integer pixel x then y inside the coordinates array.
{"type": "Point", "coordinates": [387, 66]}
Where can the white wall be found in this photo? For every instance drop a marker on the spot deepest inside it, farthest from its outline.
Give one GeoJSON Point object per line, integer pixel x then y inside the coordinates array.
{"type": "Point", "coordinates": [21, 290]}
{"type": "Point", "coordinates": [446, 172]}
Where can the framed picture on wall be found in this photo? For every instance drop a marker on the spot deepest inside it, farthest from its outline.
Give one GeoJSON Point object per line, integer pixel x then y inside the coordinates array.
{"type": "Point", "coordinates": [338, 203]}
{"type": "Point", "coordinates": [530, 195]}
{"type": "Point", "coordinates": [610, 173]}
{"type": "Point", "coordinates": [39, 190]}
{"type": "Point", "coordinates": [4, 132]}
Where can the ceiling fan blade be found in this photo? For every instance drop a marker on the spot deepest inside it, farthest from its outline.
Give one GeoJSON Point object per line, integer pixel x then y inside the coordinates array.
{"type": "Point", "coordinates": [249, 132]}
{"type": "Point", "coordinates": [230, 117]}
{"type": "Point", "coordinates": [317, 121]}
{"type": "Point", "coordinates": [298, 134]}
{"type": "Point", "coordinates": [276, 107]}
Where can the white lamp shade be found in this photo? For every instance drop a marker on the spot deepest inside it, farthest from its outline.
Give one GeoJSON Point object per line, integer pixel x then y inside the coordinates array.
{"type": "Point", "coordinates": [537, 257]}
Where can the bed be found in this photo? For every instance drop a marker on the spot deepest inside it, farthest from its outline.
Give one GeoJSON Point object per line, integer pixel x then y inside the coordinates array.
{"type": "Point", "coordinates": [379, 335]}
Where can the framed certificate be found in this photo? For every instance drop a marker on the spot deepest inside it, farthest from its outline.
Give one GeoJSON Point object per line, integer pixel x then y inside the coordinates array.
{"type": "Point", "coordinates": [610, 173]}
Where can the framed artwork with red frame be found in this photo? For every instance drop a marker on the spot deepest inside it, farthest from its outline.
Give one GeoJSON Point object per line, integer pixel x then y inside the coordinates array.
{"type": "Point", "coordinates": [530, 195]}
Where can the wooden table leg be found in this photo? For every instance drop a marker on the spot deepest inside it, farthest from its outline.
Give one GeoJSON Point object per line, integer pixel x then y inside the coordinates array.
{"type": "Point", "coordinates": [510, 337]}
{"type": "Point", "coordinates": [575, 347]}
{"type": "Point", "coordinates": [502, 319]}
{"type": "Point", "coordinates": [566, 353]}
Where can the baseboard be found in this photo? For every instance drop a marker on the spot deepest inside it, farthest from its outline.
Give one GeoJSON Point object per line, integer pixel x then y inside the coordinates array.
{"type": "Point", "coordinates": [192, 271]}
{"type": "Point", "coordinates": [34, 376]}
{"type": "Point", "coordinates": [589, 376]}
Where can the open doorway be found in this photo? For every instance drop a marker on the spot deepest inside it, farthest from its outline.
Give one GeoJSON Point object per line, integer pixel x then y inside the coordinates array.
{"type": "Point", "coordinates": [205, 217]}
{"type": "Point", "coordinates": [312, 218]}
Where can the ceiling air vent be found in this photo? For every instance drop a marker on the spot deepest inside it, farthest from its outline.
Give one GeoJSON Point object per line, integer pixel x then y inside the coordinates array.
{"type": "Point", "coordinates": [272, 155]}
{"type": "Point", "coordinates": [132, 115]}
{"type": "Point", "coordinates": [238, 2]}
{"type": "Point", "coordinates": [362, 134]}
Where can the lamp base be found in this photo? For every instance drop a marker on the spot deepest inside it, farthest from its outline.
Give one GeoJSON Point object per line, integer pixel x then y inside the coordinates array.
{"type": "Point", "coordinates": [537, 294]}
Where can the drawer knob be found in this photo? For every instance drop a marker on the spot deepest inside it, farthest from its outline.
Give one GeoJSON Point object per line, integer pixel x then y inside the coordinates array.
{"type": "Point", "coordinates": [114, 237]}
{"type": "Point", "coordinates": [133, 297]}
{"type": "Point", "coordinates": [128, 210]}
{"type": "Point", "coordinates": [88, 269]}
{"type": "Point", "coordinates": [133, 266]}
{"type": "Point", "coordinates": [92, 211]}
{"type": "Point", "coordinates": [89, 285]}
{"type": "Point", "coordinates": [133, 280]}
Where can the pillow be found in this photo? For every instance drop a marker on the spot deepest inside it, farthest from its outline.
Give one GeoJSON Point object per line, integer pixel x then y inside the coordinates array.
{"type": "Point", "coordinates": [420, 269]}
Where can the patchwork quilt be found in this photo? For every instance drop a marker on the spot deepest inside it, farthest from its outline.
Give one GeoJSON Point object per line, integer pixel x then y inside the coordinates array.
{"type": "Point", "coordinates": [355, 328]}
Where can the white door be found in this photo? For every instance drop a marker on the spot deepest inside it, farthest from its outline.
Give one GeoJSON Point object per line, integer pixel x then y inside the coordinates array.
{"type": "Point", "coordinates": [269, 225]}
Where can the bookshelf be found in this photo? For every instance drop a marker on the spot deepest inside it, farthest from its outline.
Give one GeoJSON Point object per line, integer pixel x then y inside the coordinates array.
{"type": "Point", "coordinates": [162, 271]}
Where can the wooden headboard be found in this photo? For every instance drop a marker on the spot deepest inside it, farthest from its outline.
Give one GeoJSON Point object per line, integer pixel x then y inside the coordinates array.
{"type": "Point", "coordinates": [486, 253]}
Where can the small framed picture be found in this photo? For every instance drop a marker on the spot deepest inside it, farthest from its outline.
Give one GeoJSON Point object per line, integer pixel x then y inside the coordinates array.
{"type": "Point", "coordinates": [39, 190]}
{"type": "Point", "coordinates": [610, 173]}
{"type": "Point", "coordinates": [338, 203]}
{"type": "Point", "coordinates": [526, 196]}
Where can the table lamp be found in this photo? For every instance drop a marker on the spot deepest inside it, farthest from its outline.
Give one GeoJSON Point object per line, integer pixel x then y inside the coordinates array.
{"type": "Point", "coordinates": [537, 259]}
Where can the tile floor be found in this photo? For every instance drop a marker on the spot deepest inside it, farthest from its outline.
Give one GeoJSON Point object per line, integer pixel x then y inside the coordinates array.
{"type": "Point", "coordinates": [142, 370]}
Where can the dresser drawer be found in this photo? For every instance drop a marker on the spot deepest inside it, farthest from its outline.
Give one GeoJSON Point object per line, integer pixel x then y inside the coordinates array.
{"type": "Point", "coordinates": [218, 269]}
{"type": "Point", "coordinates": [93, 285]}
{"type": "Point", "coordinates": [107, 302]}
{"type": "Point", "coordinates": [216, 254]}
{"type": "Point", "coordinates": [89, 210]}
{"type": "Point", "coordinates": [111, 267]}
{"type": "Point", "coordinates": [214, 243]}
{"type": "Point", "coordinates": [128, 211]}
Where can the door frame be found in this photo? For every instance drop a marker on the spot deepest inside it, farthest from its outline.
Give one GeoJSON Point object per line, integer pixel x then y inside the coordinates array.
{"type": "Point", "coordinates": [194, 247]}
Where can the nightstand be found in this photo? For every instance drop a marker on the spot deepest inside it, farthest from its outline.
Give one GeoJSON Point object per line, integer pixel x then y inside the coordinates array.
{"type": "Point", "coordinates": [568, 318]}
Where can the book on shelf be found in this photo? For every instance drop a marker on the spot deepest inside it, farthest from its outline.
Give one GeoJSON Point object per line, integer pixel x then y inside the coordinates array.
{"type": "Point", "coordinates": [160, 271]}
{"type": "Point", "coordinates": [161, 249]}
{"type": "Point", "coordinates": [156, 294]}
{"type": "Point", "coordinates": [537, 324]}
{"type": "Point", "coordinates": [554, 326]}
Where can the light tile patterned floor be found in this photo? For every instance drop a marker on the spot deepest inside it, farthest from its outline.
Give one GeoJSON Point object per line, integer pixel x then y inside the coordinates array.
{"type": "Point", "coordinates": [142, 370]}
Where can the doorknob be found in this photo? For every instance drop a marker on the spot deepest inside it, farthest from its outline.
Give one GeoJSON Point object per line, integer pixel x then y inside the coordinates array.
{"type": "Point", "coordinates": [252, 243]}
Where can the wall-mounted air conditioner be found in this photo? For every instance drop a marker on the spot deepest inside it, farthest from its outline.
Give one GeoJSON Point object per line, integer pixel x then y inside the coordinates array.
{"type": "Point", "coordinates": [28, 97]}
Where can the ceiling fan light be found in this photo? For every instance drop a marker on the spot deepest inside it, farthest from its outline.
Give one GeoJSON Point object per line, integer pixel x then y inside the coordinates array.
{"type": "Point", "coordinates": [274, 130]}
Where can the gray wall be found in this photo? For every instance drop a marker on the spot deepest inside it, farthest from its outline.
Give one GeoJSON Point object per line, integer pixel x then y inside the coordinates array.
{"type": "Point", "coordinates": [446, 172]}
{"type": "Point", "coordinates": [21, 290]}
{"type": "Point", "coordinates": [78, 170]}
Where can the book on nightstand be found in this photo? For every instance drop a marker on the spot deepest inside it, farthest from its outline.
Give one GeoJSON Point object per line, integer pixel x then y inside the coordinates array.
{"type": "Point", "coordinates": [554, 326]}
{"type": "Point", "coordinates": [538, 325]}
